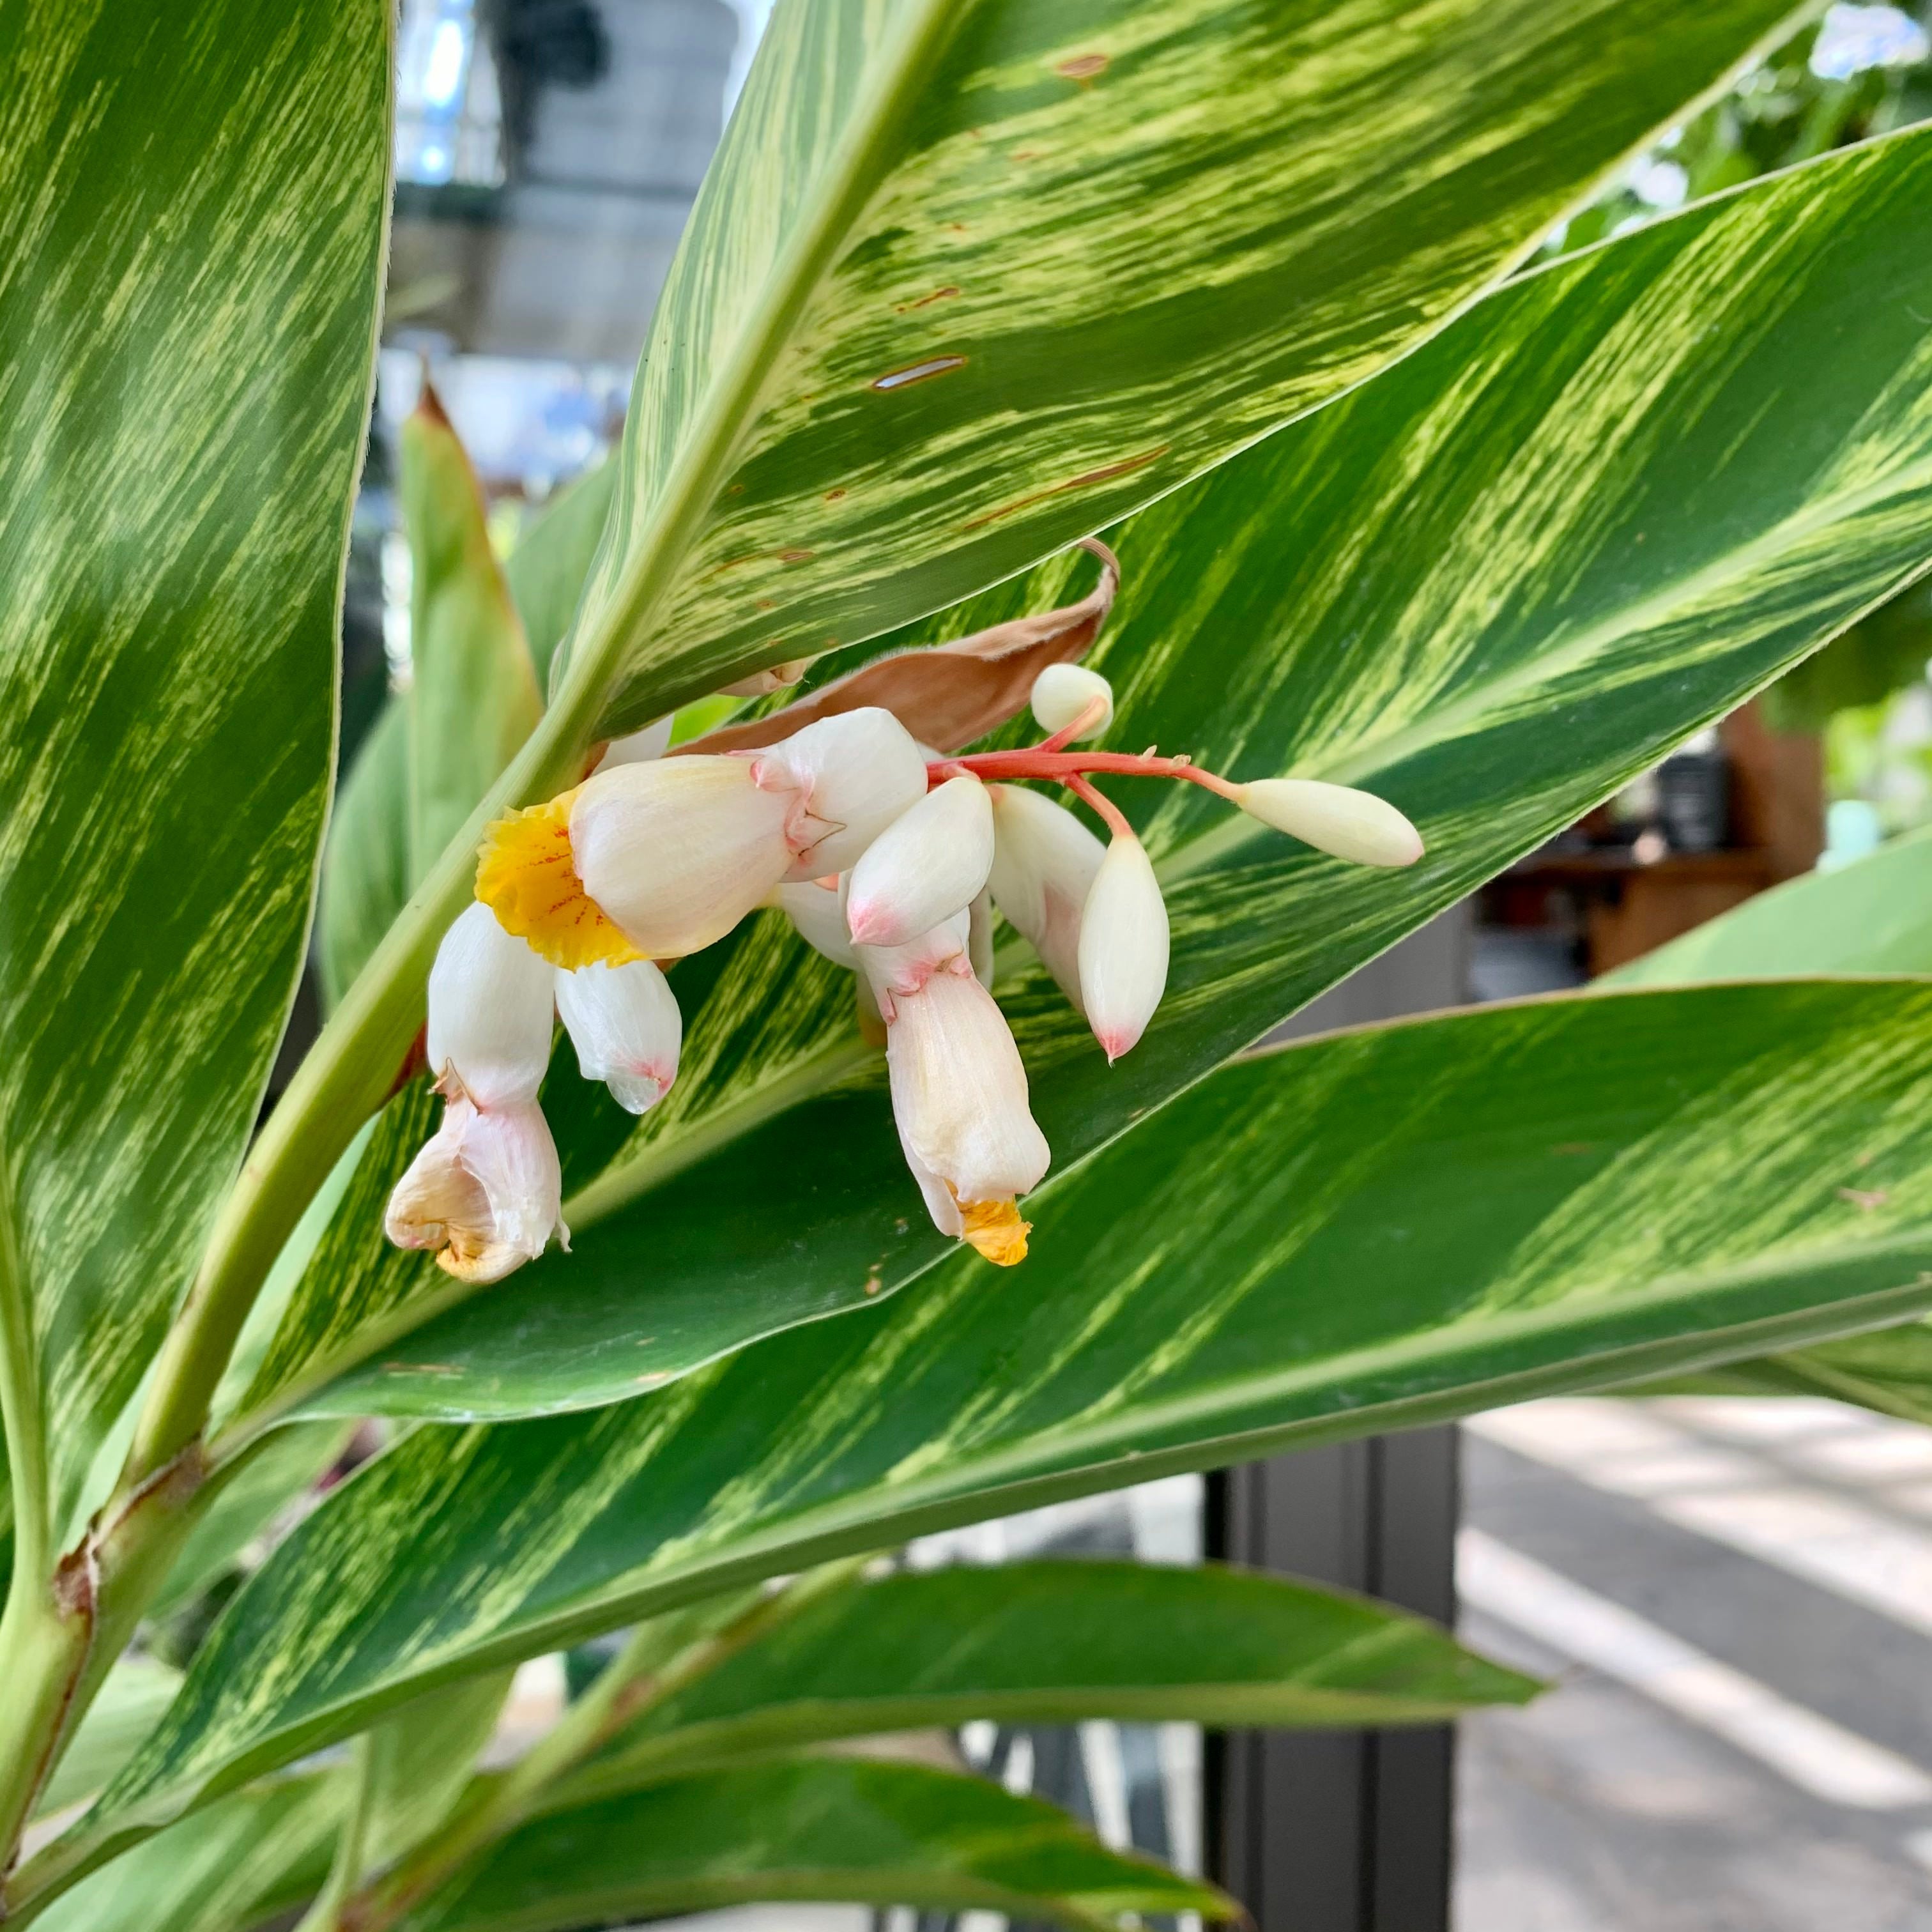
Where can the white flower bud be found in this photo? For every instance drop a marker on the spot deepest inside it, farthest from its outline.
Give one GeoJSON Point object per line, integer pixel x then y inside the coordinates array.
{"type": "Point", "coordinates": [1044, 861]}
{"type": "Point", "coordinates": [490, 1017]}
{"type": "Point", "coordinates": [1062, 692]}
{"type": "Point", "coordinates": [639, 748]}
{"type": "Point", "coordinates": [959, 1090]}
{"type": "Point", "coordinates": [485, 1192]}
{"type": "Point", "coordinates": [675, 854]}
{"type": "Point", "coordinates": [1123, 947]}
{"type": "Point", "coordinates": [1337, 819]}
{"type": "Point", "coordinates": [816, 912]}
{"type": "Point", "coordinates": [624, 1023]}
{"type": "Point", "coordinates": [855, 771]}
{"type": "Point", "coordinates": [929, 863]}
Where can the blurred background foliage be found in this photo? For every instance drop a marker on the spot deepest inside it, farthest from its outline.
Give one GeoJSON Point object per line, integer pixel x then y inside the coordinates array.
{"type": "Point", "coordinates": [1859, 72]}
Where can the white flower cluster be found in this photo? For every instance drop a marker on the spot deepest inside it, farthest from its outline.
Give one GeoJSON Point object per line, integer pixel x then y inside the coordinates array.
{"type": "Point", "coordinates": [887, 860]}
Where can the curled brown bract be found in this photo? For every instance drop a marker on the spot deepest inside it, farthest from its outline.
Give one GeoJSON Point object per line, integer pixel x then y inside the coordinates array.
{"type": "Point", "coordinates": [953, 694]}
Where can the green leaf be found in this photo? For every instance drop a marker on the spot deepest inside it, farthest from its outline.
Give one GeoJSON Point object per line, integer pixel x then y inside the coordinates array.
{"type": "Point", "coordinates": [473, 697]}
{"type": "Point", "coordinates": [262, 1484]}
{"type": "Point", "coordinates": [421, 1757]}
{"type": "Point", "coordinates": [236, 1864]}
{"type": "Point", "coordinates": [1053, 1642]}
{"type": "Point", "coordinates": [1491, 584]}
{"type": "Point", "coordinates": [969, 278]}
{"type": "Point", "coordinates": [365, 869]}
{"type": "Point", "coordinates": [833, 1829]}
{"type": "Point", "coordinates": [368, 873]}
{"type": "Point", "coordinates": [1872, 916]}
{"type": "Point", "coordinates": [548, 568]}
{"type": "Point", "coordinates": [127, 1707]}
{"type": "Point", "coordinates": [1368, 1231]}
{"type": "Point", "coordinates": [192, 225]}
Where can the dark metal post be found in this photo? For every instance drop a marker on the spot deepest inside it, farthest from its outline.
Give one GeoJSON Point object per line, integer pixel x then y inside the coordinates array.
{"type": "Point", "coordinates": [1348, 1831]}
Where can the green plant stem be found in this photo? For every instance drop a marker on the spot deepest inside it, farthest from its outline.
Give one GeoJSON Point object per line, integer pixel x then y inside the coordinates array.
{"type": "Point", "coordinates": [345, 1077]}
{"type": "Point", "coordinates": [639, 1677]}
{"type": "Point", "coordinates": [325, 1915]}
{"type": "Point", "coordinates": [20, 1406]}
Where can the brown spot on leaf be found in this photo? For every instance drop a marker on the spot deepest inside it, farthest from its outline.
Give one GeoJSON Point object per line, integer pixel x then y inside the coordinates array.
{"type": "Point", "coordinates": [1082, 67]}
{"type": "Point", "coordinates": [946, 294]}
{"type": "Point", "coordinates": [1866, 1200]}
{"type": "Point", "coordinates": [1105, 473]}
{"type": "Point", "coordinates": [919, 372]}
{"type": "Point", "coordinates": [794, 556]}
{"type": "Point", "coordinates": [834, 495]}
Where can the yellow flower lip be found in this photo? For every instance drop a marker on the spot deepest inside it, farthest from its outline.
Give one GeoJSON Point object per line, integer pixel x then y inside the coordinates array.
{"type": "Point", "coordinates": [995, 1228]}
{"type": "Point", "coordinates": [527, 875]}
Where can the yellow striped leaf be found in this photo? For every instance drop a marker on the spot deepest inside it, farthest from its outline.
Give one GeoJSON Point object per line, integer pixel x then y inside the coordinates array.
{"type": "Point", "coordinates": [191, 216]}
{"type": "Point", "coordinates": [970, 278]}
{"type": "Point", "coordinates": [1372, 1231]}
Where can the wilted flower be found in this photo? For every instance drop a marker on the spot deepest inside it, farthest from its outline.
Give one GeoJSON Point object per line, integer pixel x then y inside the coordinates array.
{"type": "Point", "coordinates": [959, 1092]}
{"type": "Point", "coordinates": [485, 1192]}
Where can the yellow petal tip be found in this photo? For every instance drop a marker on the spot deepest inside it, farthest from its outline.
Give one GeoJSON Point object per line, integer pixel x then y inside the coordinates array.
{"type": "Point", "coordinates": [525, 875]}
{"type": "Point", "coordinates": [995, 1229]}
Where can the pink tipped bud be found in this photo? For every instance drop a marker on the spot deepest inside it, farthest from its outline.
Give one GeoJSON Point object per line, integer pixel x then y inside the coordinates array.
{"type": "Point", "coordinates": [489, 1016]}
{"type": "Point", "coordinates": [1123, 947]}
{"type": "Point", "coordinates": [816, 912]}
{"type": "Point", "coordinates": [624, 1023]}
{"type": "Point", "coordinates": [852, 773]}
{"type": "Point", "coordinates": [929, 863]}
{"type": "Point", "coordinates": [484, 1192]}
{"type": "Point", "coordinates": [1044, 864]}
{"type": "Point", "coordinates": [1063, 692]}
{"type": "Point", "coordinates": [1337, 819]}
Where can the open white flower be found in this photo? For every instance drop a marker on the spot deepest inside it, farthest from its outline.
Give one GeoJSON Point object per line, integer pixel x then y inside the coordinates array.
{"type": "Point", "coordinates": [1123, 946]}
{"type": "Point", "coordinates": [624, 1023]}
{"type": "Point", "coordinates": [959, 1091]}
{"type": "Point", "coordinates": [654, 860]}
{"type": "Point", "coordinates": [1044, 864]}
{"type": "Point", "coordinates": [484, 1192]}
{"type": "Point", "coordinates": [929, 863]}
{"type": "Point", "coordinates": [490, 1013]}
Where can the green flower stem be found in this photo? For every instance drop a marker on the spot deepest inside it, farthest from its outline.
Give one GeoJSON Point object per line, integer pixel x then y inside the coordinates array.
{"type": "Point", "coordinates": [344, 1079]}
{"type": "Point", "coordinates": [640, 1676]}
{"type": "Point", "coordinates": [352, 1841]}
{"type": "Point", "coordinates": [45, 1635]}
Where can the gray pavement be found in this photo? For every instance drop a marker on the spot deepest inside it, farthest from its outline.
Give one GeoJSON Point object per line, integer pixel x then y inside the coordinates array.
{"type": "Point", "coordinates": [1737, 1599]}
